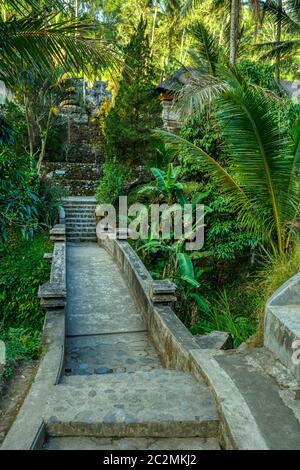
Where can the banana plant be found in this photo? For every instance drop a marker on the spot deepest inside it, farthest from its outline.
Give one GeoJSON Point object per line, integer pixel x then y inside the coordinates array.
{"type": "Point", "coordinates": [182, 272]}
{"type": "Point", "coordinates": [167, 185]}
{"type": "Point", "coordinates": [189, 282]}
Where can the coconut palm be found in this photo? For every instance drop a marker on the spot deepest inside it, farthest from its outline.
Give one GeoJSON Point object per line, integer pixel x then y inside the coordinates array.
{"type": "Point", "coordinates": [286, 16]}
{"type": "Point", "coordinates": [208, 76]}
{"type": "Point", "coordinates": [263, 165]}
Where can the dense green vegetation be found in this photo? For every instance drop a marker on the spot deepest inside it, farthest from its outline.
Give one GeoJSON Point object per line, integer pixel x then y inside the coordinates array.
{"type": "Point", "coordinates": [237, 151]}
{"type": "Point", "coordinates": [22, 271]}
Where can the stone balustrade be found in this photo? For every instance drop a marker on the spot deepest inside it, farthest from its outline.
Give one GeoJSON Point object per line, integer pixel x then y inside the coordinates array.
{"type": "Point", "coordinates": [53, 293]}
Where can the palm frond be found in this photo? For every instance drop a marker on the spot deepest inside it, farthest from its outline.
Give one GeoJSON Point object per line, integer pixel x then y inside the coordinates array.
{"type": "Point", "coordinates": [29, 6]}
{"type": "Point", "coordinates": [206, 47]}
{"type": "Point", "coordinates": [293, 7]}
{"type": "Point", "coordinates": [186, 149]}
{"type": "Point", "coordinates": [198, 93]}
{"type": "Point", "coordinates": [189, 6]}
{"type": "Point", "coordinates": [262, 157]}
{"type": "Point", "coordinates": [39, 45]}
{"type": "Point", "coordinates": [280, 15]}
{"type": "Point", "coordinates": [296, 143]}
{"type": "Point", "coordinates": [285, 48]}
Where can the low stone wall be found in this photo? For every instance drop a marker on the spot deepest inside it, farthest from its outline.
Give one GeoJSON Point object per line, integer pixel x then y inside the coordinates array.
{"type": "Point", "coordinates": [282, 324]}
{"type": "Point", "coordinates": [171, 338]}
{"type": "Point", "coordinates": [179, 349]}
{"type": "Point", "coordinates": [28, 431]}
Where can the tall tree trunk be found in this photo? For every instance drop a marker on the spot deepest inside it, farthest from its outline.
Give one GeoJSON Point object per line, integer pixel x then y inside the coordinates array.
{"type": "Point", "coordinates": [29, 126]}
{"type": "Point", "coordinates": [44, 139]}
{"type": "Point", "coordinates": [234, 30]}
{"type": "Point", "coordinates": [4, 11]}
{"type": "Point", "coordinates": [181, 45]}
{"type": "Point", "coordinates": [278, 39]}
{"type": "Point", "coordinates": [76, 8]}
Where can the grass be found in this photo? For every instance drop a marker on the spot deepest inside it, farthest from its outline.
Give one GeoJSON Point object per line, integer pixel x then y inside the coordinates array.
{"type": "Point", "coordinates": [239, 308]}
{"type": "Point", "coordinates": [233, 310]}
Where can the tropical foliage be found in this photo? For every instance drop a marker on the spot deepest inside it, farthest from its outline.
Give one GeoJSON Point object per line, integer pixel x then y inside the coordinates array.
{"type": "Point", "coordinates": [231, 70]}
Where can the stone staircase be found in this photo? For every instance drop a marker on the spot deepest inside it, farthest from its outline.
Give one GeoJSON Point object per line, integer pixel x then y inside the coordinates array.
{"type": "Point", "coordinates": [80, 219]}
{"type": "Point", "coordinates": [161, 403]}
{"type": "Point", "coordinates": [116, 393]}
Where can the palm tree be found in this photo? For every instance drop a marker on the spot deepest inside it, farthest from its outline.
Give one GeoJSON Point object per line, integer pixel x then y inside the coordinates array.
{"type": "Point", "coordinates": [286, 16]}
{"type": "Point", "coordinates": [234, 30]}
{"type": "Point", "coordinates": [209, 74]}
{"type": "Point", "coordinates": [262, 179]}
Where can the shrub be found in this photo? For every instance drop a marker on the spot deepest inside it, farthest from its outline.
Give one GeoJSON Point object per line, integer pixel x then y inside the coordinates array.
{"type": "Point", "coordinates": [22, 270]}
{"type": "Point", "coordinates": [112, 183]}
{"type": "Point", "coordinates": [18, 197]}
{"type": "Point", "coordinates": [261, 74]}
{"type": "Point", "coordinates": [128, 127]}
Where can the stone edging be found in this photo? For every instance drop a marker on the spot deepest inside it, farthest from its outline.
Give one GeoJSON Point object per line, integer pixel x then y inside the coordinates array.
{"type": "Point", "coordinates": [179, 349]}
{"type": "Point", "coordinates": [282, 323]}
{"type": "Point", "coordinates": [28, 430]}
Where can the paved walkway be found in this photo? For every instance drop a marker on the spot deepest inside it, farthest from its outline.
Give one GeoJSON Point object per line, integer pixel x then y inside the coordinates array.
{"type": "Point", "coordinates": [105, 332]}
{"type": "Point", "coordinates": [115, 393]}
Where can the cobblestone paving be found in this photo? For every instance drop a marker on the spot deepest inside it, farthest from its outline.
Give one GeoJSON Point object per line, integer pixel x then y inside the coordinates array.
{"type": "Point", "coordinates": [114, 353]}
{"type": "Point", "coordinates": [105, 331]}
{"type": "Point", "coordinates": [115, 393]}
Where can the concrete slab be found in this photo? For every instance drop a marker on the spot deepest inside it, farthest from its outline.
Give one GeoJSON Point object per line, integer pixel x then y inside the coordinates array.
{"type": "Point", "coordinates": [276, 420]}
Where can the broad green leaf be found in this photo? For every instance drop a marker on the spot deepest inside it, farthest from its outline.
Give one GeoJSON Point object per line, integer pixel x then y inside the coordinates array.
{"type": "Point", "coordinates": [185, 265]}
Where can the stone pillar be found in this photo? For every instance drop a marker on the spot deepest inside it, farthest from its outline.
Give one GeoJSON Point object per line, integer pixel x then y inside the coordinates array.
{"type": "Point", "coordinates": [170, 117]}
{"type": "Point", "coordinates": [53, 294]}
{"type": "Point", "coordinates": [163, 292]}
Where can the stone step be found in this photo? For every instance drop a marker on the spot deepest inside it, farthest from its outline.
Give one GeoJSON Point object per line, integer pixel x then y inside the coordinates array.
{"type": "Point", "coordinates": [131, 443]}
{"type": "Point", "coordinates": [81, 229]}
{"type": "Point", "coordinates": [158, 403]}
{"type": "Point", "coordinates": [107, 354]}
{"type": "Point", "coordinates": [79, 200]}
{"type": "Point", "coordinates": [78, 239]}
{"type": "Point", "coordinates": [79, 210]}
{"type": "Point", "coordinates": [79, 204]}
{"type": "Point", "coordinates": [85, 235]}
{"type": "Point", "coordinates": [80, 216]}
{"type": "Point", "coordinates": [81, 220]}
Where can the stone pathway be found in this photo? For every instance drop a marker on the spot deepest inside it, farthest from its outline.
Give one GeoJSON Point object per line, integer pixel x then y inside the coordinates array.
{"type": "Point", "coordinates": [105, 332]}
{"type": "Point", "coordinates": [115, 393]}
